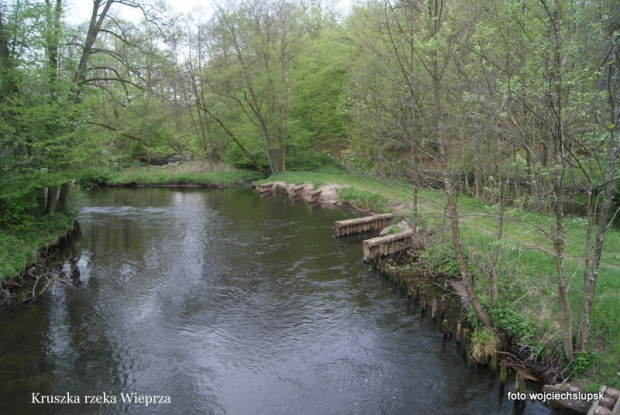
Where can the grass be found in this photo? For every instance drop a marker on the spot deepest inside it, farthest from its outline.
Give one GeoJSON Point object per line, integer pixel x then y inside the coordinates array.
{"type": "Point", "coordinates": [527, 270]}
{"type": "Point", "coordinates": [363, 200]}
{"type": "Point", "coordinates": [198, 174]}
{"type": "Point", "coordinates": [483, 345]}
{"type": "Point", "coordinates": [208, 179]}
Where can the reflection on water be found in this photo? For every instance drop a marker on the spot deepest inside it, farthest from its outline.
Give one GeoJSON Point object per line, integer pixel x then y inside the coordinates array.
{"type": "Point", "coordinates": [229, 304]}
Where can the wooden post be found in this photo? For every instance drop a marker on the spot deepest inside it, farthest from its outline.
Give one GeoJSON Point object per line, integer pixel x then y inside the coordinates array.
{"type": "Point", "coordinates": [358, 225]}
{"type": "Point", "coordinates": [423, 300]}
{"type": "Point", "coordinates": [503, 371]}
{"type": "Point", "coordinates": [459, 332]}
{"type": "Point", "coordinates": [387, 245]}
{"type": "Point", "coordinates": [443, 307]}
{"type": "Point", "coordinates": [465, 336]}
{"type": "Point", "coordinates": [434, 308]}
{"type": "Point", "coordinates": [519, 387]}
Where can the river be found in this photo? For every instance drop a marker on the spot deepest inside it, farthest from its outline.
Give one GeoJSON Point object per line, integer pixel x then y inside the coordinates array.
{"type": "Point", "coordinates": [221, 302]}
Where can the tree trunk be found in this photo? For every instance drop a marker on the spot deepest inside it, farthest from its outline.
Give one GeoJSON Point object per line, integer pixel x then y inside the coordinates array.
{"type": "Point", "coordinates": [52, 200]}
{"type": "Point", "coordinates": [566, 324]}
{"type": "Point", "coordinates": [503, 196]}
{"type": "Point", "coordinates": [444, 159]}
{"type": "Point", "coordinates": [65, 192]}
{"type": "Point", "coordinates": [9, 84]}
{"type": "Point", "coordinates": [591, 273]}
{"type": "Point", "coordinates": [232, 135]}
{"type": "Point", "coordinates": [94, 27]}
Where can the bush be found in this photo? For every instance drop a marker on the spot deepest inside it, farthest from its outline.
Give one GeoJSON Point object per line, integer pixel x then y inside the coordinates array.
{"type": "Point", "coordinates": [483, 346]}
{"type": "Point", "coordinates": [521, 328]}
{"type": "Point", "coordinates": [580, 363]}
{"type": "Point", "coordinates": [513, 323]}
{"type": "Point", "coordinates": [95, 177]}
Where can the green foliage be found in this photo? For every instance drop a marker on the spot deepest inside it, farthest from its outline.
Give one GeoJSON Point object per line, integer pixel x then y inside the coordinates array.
{"type": "Point", "coordinates": [600, 367]}
{"type": "Point", "coordinates": [317, 92]}
{"type": "Point", "coordinates": [15, 207]}
{"type": "Point", "coordinates": [395, 229]}
{"type": "Point", "coordinates": [513, 323]}
{"type": "Point", "coordinates": [440, 258]}
{"type": "Point", "coordinates": [309, 160]}
{"type": "Point", "coordinates": [580, 363]}
{"type": "Point", "coordinates": [95, 177]}
{"type": "Point", "coordinates": [606, 314]}
{"type": "Point", "coordinates": [521, 328]}
{"type": "Point", "coordinates": [449, 266]}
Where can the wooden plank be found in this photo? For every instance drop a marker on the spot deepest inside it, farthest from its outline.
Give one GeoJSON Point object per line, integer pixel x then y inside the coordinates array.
{"type": "Point", "coordinates": [616, 394]}
{"type": "Point", "coordinates": [596, 403]}
{"type": "Point", "coordinates": [367, 223]}
{"type": "Point", "coordinates": [387, 245]}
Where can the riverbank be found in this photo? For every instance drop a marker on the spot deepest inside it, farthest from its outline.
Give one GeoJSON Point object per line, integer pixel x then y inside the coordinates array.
{"type": "Point", "coordinates": [23, 244]}
{"type": "Point", "coordinates": [527, 310]}
{"type": "Point", "coordinates": [190, 174]}
{"type": "Point", "coordinates": [20, 244]}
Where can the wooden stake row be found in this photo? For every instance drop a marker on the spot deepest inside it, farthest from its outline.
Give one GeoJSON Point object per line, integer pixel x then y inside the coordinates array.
{"type": "Point", "coordinates": [360, 225]}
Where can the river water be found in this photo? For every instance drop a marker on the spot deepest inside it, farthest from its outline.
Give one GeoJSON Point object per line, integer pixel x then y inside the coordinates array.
{"type": "Point", "coordinates": [224, 303]}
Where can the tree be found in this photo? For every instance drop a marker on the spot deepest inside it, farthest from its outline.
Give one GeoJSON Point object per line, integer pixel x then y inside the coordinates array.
{"type": "Point", "coordinates": [602, 177]}
{"type": "Point", "coordinates": [44, 69]}
{"type": "Point", "coordinates": [252, 52]}
{"type": "Point", "coordinates": [418, 50]}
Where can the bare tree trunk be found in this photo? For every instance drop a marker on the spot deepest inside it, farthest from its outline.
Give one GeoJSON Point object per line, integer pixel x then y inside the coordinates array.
{"type": "Point", "coordinates": [8, 86]}
{"type": "Point", "coordinates": [98, 16]}
{"type": "Point", "coordinates": [566, 324]}
{"type": "Point", "coordinates": [503, 196]}
{"type": "Point", "coordinates": [65, 192]}
{"type": "Point", "coordinates": [236, 140]}
{"type": "Point", "coordinates": [52, 200]}
{"type": "Point", "coordinates": [591, 272]}
{"type": "Point", "coordinates": [466, 277]}
{"type": "Point", "coordinates": [435, 9]}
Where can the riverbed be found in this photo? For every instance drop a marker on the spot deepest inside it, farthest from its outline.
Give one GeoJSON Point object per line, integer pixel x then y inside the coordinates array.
{"type": "Point", "coordinates": [223, 302]}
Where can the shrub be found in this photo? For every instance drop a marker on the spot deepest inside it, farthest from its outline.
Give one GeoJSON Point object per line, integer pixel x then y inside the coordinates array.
{"type": "Point", "coordinates": [95, 177]}
{"type": "Point", "coordinates": [580, 363]}
{"type": "Point", "coordinates": [484, 345]}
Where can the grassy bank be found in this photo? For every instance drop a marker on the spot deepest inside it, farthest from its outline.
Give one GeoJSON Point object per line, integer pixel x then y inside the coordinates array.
{"type": "Point", "coordinates": [527, 309]}
{"type": "Point", "coordinates": [185, 174]}
{"type": "Point", "coordinates": [19, 244]}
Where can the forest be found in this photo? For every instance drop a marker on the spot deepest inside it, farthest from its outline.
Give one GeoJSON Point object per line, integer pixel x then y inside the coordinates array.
{"type": "Point", "coordinates": [514, 103]}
